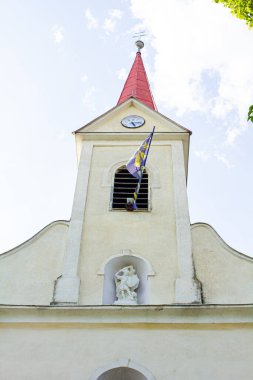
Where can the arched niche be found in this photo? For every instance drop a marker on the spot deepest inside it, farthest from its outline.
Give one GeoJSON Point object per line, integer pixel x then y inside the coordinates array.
{"type": "Point", "coordinates": [113, 265]}
{"type": "Point", "coordinates": [122, 369]}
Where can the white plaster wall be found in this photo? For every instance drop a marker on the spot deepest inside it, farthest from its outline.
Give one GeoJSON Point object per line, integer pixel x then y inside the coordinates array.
{"type": "Point", "coordinates": [28, 272]}
{"type": "Point", "coordinates": [226, 275]}
{"type": "Point", "coordinates": [111, 122]}
{"type": "Point", "coordinates": [150, 235]}
{"type": "Point", "coordinates": [207, 352]}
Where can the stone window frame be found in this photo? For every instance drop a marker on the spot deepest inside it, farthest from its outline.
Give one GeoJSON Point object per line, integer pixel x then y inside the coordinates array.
{"type": "Point", "coordinates": [108, 181]}
{"type": "Point", "coordinates": [131, 193]}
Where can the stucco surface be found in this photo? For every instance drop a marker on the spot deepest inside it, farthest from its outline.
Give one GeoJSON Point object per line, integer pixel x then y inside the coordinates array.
{"type": "Point", "coordinates": [186, 352]}
{"type": "Point", "coordinates": [111, 120]}
{"type": "Point", "coordinates": [28, 272]}
{"type": "Point", "coordinates": [107, 232]}
{"type": "Point", "coordinates": [110, 123]}
{"type": "Point", "coordinates": [226, 275]}
{"type": "Point", "coordinates": [161, 237]}
{"type": "Point", "coordinates": [165, 341]}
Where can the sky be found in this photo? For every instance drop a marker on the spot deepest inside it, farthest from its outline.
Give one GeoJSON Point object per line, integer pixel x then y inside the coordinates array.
{"type": "Point", "coordinates": [63, 63]}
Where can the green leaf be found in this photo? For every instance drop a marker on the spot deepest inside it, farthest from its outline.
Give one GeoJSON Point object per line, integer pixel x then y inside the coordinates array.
{"type": "Point", "coordinates": [242, 9]}
{"type": "Point", "coordinates": [250, 113]}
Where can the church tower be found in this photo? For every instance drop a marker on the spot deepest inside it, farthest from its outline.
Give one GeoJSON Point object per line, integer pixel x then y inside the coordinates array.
{"type": "Point", "coordinates": [103, 236]}
{"type": "Point", "coordinates": [127, 293]}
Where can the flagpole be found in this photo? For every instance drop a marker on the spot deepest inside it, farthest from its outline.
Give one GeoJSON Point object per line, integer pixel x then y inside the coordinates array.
{"type": "Point", "coordinates": [149, 146]}
{"type": "Point", "coordinates": [136, 193]}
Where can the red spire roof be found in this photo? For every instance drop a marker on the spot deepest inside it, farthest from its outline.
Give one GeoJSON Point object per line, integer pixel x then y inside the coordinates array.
{"type": "Point", "coordinates": [137, 85]}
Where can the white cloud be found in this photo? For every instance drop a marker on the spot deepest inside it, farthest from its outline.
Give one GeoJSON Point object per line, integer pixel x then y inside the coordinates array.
{"type": "Point", "coordinates": [84, 78]}
{"type": "Point", "coordinates": [89, 98]}
{"type": "Point", "coordinates": [220, 107]}
{"type": "Point", "coordinates": [232, 134]}
{"type": "Point", "coordinates": [116, 14]}
{"type": "Point", "coordinates": [58, 33]}
{"type": "Point", "coordinates": [202, 58]}
{"type": "Point", "coordinates": [92, 22]}
{"type": "Point", "coordinates": [110, 22]}
{"type": "Point", "coordinates": [122, 74]}
{"type": "Point", "coordinates": [222, 158]}
{"type": "Point", "coordinates": [204, 156]}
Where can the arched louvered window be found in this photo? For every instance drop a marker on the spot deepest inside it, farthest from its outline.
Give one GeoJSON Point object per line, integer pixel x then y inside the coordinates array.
{"type": "Point", "coordinates": [124, 187]}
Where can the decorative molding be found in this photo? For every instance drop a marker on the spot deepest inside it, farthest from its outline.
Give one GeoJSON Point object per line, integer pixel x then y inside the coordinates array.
{"type": "Point", "coordinates": [212, 316]}
{"type": "Point", "coordinates": [126, 252]}
{"type": "Point", "coordinates": [68, 285]}
{"type": "Point", "coordinates": [108, 175]}
{"type": "Point", "coordinates": [215, 234]}
{"type": "Point", "coordinates": [138, 105]}
{"type": "Point", "coordinates": [34, 237]}
{"type": "Point", "coordinates": [187, 289]}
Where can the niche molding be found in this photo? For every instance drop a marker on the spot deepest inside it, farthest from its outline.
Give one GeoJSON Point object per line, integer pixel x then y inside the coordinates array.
{"type": "Point", "coordinates": [113, 264]}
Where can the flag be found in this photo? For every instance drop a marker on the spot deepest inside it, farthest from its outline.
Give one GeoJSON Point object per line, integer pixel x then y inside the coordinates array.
{"type": "Point", "coordinates": [136, 164]}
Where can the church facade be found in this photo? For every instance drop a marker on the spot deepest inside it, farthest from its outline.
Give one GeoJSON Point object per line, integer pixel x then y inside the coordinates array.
{"type": "Point", "coordinates": [119, 294]}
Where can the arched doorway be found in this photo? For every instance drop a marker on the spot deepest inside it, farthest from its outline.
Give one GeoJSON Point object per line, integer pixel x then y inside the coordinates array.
{"type": "Point", "coordinates": [122, 369]}
{"type": "Point", "coordinates": [122, 373]}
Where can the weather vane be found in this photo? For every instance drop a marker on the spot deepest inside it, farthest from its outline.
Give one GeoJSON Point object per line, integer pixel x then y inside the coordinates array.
{"type": "Point", "coordinates": [139, 43]}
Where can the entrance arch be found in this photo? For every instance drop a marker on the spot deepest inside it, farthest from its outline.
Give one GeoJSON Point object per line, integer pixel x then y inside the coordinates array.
{"type": "Point", "coordinates": [123, 368]}
{"type": "Point", "coordinates": [122, 373]}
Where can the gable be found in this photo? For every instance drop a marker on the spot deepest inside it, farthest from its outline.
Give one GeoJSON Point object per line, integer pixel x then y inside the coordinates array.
{"type": "Point", "coordinates": [232, 285]}
{"type": "Point", "coordinates": [111, 120]}
{"type": "Point", "coordinates": [28, 272]}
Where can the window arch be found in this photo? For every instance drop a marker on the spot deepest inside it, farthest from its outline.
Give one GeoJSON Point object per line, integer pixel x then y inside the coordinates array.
{"type": "Point", "coordinates": [124, 187]}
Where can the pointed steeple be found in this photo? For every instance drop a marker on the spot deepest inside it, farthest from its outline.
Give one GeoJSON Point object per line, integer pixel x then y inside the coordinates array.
{"type": "Point", "coordinates": [137, 84]}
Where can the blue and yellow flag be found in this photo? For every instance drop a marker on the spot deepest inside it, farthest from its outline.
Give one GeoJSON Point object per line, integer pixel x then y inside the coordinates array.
{"type": "Point", "coordinates": [136, 166]}
{"type": "Point", "coordinates": [137, 162]}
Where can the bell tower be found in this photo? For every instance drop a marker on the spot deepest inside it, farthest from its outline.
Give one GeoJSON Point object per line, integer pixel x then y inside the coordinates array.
{"type": "Point", "coordinates": [103, 236]}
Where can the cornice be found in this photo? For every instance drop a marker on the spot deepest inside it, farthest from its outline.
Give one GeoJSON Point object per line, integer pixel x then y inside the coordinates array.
{"type": "Point", "coordinates": [128, 315]}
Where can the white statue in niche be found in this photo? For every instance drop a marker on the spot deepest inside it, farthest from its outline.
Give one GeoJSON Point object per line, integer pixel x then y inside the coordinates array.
{"type": "Point", "coordinates": [126, 281]}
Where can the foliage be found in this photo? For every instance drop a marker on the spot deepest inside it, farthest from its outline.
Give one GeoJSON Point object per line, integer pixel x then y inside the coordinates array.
{"type": "Point", "coordinates": [242, 9]}
{"type": "Point", "coordinates": [250, 113]}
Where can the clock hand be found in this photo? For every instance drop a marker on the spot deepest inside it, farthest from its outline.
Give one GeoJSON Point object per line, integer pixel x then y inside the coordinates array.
{"type": "Point", "coordinates": [133, 123]}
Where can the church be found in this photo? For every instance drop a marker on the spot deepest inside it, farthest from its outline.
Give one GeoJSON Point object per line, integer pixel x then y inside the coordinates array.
{"type": "Point", "coordinates": [127, 293]}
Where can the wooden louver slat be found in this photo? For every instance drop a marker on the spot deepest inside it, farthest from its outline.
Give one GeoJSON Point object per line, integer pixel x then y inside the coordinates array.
{"type": "Point", "coordinates": [124, 187]}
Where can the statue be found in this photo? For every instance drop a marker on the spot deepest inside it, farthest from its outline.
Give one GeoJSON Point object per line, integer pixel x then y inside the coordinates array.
{"type": "Point", "coordinates": [126, 281]}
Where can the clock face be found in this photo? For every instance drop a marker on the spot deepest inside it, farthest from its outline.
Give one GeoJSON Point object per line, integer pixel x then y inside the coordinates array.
{"type": "Point", "coordinates": [132, 121]}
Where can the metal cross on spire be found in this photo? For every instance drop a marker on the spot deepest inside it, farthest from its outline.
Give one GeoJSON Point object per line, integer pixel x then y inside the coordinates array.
{"type": "Point", "coordinates": [139, 43]}
{"type": "Point", "coordinates": [140, 34]}
{"type": "Point", "coordinates": [137, 84]}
